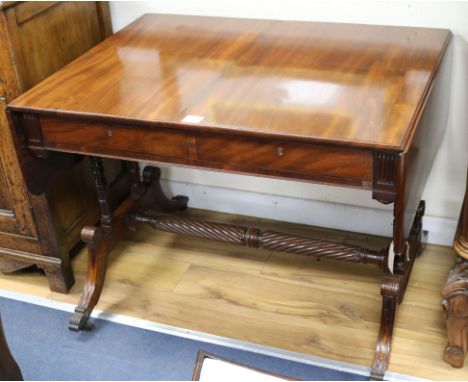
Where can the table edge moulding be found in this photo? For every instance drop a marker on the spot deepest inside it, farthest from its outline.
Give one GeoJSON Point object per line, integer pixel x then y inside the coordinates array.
{"type": "Point", "coordinates": [252, 86]}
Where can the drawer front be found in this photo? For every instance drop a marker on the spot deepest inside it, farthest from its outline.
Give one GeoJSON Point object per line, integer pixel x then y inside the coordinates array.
{"type": "Point", "coordinates": [100, 138]}
{"type": "Point", "coordinates": [299, 158]}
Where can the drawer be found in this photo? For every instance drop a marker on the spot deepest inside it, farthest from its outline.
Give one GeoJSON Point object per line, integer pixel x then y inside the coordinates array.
{"type": "Point", "coordinates": [101, 138]}
{"type": "Point", "coordinates": [300, 158]}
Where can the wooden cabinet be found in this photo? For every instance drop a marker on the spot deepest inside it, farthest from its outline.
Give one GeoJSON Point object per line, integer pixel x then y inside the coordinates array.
{"type": "Point", "coordinates": [36, 39]}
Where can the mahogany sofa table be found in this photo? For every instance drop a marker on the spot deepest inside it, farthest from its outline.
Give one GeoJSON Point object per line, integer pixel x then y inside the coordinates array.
{"type": "Point", "coordinates": [340, 104]}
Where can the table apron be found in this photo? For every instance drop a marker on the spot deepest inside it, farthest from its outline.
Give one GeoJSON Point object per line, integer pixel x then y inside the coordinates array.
{"type": "Point", "coordinates": [322, 163]}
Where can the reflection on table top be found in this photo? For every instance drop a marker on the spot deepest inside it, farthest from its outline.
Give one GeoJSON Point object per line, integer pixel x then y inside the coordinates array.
{"type": "Point", "coordinates": [338, 82]}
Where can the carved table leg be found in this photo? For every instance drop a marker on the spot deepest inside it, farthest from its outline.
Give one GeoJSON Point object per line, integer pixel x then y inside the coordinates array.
{"type": "Point", "coordinates": [455, 294]}
{"type": "Point", "coordinates": [95, 238]}
{"type": "Point", "coordinates": [455, 304]}
{"type": "Point", "coordinates": [101, 240]}
{"type": "Point", "coordinates": [392, 290]}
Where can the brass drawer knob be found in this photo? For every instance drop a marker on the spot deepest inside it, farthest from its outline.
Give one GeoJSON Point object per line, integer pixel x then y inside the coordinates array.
{"type": "Point", "coordinates": [280, 151]}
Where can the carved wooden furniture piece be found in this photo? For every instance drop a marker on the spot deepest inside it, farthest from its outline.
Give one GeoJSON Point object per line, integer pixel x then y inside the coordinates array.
{"type": "Point", "coordinates": [9, 369]}
{"type": "Point", "coordinates": [455, 294]}
{"type": "Point", "coordinates": [36, 39]}
{"type": "Point", "coordinates": [350, 105]}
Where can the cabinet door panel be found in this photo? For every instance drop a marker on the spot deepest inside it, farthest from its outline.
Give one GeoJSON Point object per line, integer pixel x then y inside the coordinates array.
{"type": "Point", "coordinates": [45, 37]}
{"type": "Point", "coordinates": [68, 29]}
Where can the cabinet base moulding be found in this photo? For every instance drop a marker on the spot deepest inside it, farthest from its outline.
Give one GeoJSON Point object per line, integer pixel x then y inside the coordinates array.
{"type": "Point", "coordinates": [59, 273]}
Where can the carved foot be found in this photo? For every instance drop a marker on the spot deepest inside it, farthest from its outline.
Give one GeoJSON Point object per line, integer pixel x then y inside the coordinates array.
{"type": "Point", "coordinates": [80, 321]}
{"type": "Point", "coordinates": [390, 291]}
{"type": "Point", "coordinates": [151, 178]}
{"type": "Point", "coordinates": [454, 355]}
{"type": "Point", "coordinates": [455, 304]}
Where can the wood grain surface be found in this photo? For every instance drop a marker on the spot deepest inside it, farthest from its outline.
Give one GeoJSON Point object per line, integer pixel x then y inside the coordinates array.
{"type": "Point", "coordinates": [36, 39]}
{"type": "Point", "coordinates": [315, 81]}
{"type": "Point", "coordinates": [322, 308]}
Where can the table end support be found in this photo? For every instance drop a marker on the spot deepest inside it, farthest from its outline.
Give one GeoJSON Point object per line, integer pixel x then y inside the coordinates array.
{"type": "Point", "coordinates": [98, 250]}
{"type": "Point", "coordinates": [101, 240]}
{"type": "Point", "coordinates": [392, 290]}
{"type": "Point", "coordinates": [80, 321]}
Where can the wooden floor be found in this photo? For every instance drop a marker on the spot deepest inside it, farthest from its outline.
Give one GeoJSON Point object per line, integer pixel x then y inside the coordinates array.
{"type": "Point", "coordinates": [321, 308]}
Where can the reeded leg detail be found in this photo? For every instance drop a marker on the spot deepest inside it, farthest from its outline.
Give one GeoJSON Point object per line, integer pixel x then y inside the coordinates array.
{"type": "Point", "coordinates": [80, 321]}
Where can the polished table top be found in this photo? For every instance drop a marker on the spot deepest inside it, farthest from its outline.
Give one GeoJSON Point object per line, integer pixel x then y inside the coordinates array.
{"type": "Point", "coordinates": [304, 80]}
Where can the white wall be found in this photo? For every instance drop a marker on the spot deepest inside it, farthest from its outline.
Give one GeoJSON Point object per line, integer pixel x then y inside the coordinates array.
{"type": "Point", "coordinates": [325, 205]}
